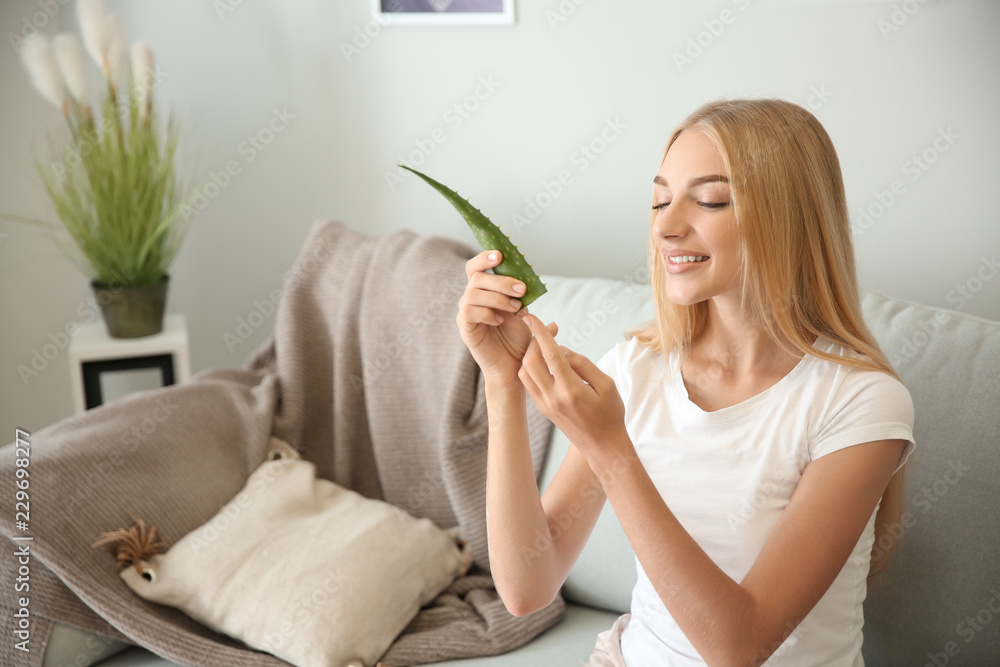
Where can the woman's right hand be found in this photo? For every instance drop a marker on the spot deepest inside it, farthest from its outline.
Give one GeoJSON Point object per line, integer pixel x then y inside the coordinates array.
{"type": "Point", "coordinates": [496, 337]}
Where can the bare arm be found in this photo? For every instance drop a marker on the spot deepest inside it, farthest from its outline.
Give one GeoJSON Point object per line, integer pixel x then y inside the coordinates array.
{"type": "Point", "coordinates": [528, 565]}
{"type": "Point", "coordinates": [533, 542]}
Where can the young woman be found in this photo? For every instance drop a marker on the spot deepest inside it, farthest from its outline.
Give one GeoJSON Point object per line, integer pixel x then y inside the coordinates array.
{"type": "Point", "coordinates": [746, 438]}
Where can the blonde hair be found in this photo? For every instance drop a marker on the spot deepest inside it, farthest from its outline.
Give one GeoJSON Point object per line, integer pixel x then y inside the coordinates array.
{"type": "Point", "coordinates": [797, 266]}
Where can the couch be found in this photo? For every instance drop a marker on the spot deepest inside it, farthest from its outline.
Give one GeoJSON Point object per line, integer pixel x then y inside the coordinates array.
{"type": "Point", "coordinates": [939, 602]}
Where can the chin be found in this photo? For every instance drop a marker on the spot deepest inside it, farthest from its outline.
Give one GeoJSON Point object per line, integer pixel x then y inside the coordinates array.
{"type": "Point", "coordinates": [683, 299]}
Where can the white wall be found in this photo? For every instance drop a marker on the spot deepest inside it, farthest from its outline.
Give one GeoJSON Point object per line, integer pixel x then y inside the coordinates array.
{"type": "Point", "coordinates": [555, 85]}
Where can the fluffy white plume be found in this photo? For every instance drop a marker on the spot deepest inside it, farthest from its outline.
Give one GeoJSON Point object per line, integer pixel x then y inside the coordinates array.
{"type": "Point", "coordinates": [143, 75]}
{"type": "Point", "coordinates": [116, 47]}
{"type": "Point", "coordinates": [93, 27]}
{"type": "Point", "coordinates": [40, 61]}
{"type": "Point", "coordinates": [69, 55]}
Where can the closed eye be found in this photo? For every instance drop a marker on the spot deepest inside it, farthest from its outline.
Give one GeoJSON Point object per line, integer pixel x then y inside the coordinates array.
{"type": "Point", "coordinates": [703, 204]}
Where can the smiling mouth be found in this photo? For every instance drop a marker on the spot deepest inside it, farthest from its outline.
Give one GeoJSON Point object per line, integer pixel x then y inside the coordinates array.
{"type": "Point", "coordinates": [687, 259]}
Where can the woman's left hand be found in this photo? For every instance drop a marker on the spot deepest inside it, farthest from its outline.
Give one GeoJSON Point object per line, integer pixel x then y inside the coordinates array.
{"type": "Point", "coordinates": [569, 389]}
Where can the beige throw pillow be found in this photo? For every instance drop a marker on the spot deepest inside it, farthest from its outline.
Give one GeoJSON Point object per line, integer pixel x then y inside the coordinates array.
{"type": "Point", "coordinates": [302, 568]}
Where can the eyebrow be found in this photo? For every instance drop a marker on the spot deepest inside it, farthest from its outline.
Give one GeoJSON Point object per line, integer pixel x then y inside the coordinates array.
{"type": "Point", "coordinates": [696, 181]}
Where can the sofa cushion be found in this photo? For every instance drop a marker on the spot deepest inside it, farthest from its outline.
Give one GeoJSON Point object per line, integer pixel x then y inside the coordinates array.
{"type": "Point", "coordinates": [72, 647]}
{"type": "Point", "coordinates": [359, 572]}
{"type": "Point", "coordinates": [940, 597]}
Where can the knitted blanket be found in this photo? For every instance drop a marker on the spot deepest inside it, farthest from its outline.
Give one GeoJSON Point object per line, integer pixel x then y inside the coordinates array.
{"type": "Point", "coordinates": [365, 375]}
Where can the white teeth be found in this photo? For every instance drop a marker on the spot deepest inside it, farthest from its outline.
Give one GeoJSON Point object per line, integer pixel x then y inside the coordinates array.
{"type": "Point", "coordinates": [687, 258]}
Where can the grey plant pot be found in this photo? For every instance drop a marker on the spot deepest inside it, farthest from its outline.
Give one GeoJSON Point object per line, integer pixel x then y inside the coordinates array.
{"type": "Point", "coordinates": [132, 311]}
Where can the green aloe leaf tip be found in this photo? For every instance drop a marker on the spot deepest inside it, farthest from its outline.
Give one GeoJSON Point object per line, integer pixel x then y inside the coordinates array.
{"type": "Point", "coordinates": [491, 237]}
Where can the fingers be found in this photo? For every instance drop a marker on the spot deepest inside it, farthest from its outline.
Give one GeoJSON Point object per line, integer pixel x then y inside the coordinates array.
{"type": "Point", "coordinates": [483, 298]}
{"type": "Point", "coordinates": [488, 296]}
{"type": "Point", "coordinates": [548, 359]}
{"type": "Point", "coordinates": [472, 316]}
{"type": "Point", "coordinates": [534, 374]}
{"type": "Point", "coordinates": [476, 269]}
{"type": "Point", "coordinates": [483, 261]}
{"type": "Point", "coordinates": [529, 383]}
{"type": "Point", "coordinates": [587, 370]}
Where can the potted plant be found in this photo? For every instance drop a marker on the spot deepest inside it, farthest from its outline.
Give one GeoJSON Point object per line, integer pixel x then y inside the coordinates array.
{"type": "Point", "coordinates": [113, 183]}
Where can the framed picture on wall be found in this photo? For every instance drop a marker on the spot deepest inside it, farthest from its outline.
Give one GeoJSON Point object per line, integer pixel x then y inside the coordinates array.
{"type": "Point", "coordinates": [444, 12]}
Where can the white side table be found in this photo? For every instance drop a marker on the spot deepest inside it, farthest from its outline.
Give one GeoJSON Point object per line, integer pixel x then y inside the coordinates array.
{"type": "Point", "coordinates": [92, 352]}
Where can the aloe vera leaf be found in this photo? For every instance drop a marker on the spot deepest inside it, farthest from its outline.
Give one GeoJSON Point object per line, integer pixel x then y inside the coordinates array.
{"type": "Point", "coordinates": [491, 237]}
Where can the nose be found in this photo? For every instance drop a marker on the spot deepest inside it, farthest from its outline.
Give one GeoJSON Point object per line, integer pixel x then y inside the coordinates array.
{"type": "Point", "coordinates": [670, 223]}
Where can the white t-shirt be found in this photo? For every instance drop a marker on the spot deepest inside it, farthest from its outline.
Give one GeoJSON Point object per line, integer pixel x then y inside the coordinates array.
{"type": "Point", "coordinates": [728, 474]}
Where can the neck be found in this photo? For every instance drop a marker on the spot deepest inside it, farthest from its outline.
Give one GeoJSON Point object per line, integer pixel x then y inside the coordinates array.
{"type": "Point", "coordinates": [738, 345]}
